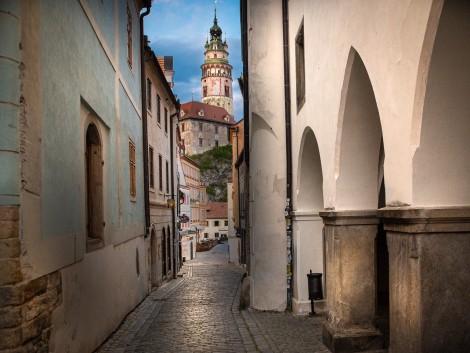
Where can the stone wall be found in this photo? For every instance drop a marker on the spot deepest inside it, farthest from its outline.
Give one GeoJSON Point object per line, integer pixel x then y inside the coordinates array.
{"type": "Point", "coordinates": [26, 306]}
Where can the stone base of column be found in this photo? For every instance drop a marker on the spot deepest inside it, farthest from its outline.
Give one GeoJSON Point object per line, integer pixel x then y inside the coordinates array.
{"type": "Point", "coordinates": [429, 278]}
{"type": "Point", "coordinates": [351, 281]}
{"type": "Point", "coordinates": [352, 339]}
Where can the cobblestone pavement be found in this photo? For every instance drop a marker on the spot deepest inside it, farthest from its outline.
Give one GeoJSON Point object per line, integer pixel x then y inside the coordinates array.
{"type": "Point", "coordinates": [199, 313]}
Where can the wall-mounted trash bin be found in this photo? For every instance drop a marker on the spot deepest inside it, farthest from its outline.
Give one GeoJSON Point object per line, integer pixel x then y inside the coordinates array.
{"type": "Point", "coordinates": [315, 290]}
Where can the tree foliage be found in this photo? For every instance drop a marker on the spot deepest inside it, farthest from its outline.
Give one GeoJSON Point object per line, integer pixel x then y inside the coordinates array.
{"type": "Point", "coordinates": [216, 169]}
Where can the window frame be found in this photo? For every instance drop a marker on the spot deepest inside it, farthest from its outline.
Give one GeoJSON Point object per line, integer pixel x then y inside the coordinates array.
{"type": "Point", "coordinates": [167, 174]}
{"type": "Point", "coordinates": [129, 30]}
{"type": "Point", "coordinates": [160, 172]}
{"type": "Point", "coordinates": [151, 169]}
{"type": "Point", "coordinates": [159, 108]}
{"type": "Point", "coordinates": [132, 170]}
{"type": "Point", "coordinates": [166, 120]}
{"type": "Point", "coordinates": [149, 94]}
{"type": "Point", "coordinates": [300, 67]}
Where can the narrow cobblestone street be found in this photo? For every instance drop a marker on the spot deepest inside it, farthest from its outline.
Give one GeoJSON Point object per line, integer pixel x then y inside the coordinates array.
{"type": "Point", "coordinates": [199, 313]}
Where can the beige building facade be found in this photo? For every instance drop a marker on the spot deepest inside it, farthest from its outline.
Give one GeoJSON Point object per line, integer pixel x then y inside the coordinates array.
{"type": "Point", "coordinates": [162, 111]}
{"type": "Point", "coordinates": [379, 154]}
{"type": "Point", "coordinates": [203, 127]}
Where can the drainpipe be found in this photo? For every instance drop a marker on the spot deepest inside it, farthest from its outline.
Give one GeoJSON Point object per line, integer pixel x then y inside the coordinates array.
{"type": "Point", "coordinates": [145, 141]}
{"type": "Point", "coordinates": [246, 101]}
{"type": "Point", "coordinates": [287, 107]}
{"type": "Point", "coordinates": [172, 171]}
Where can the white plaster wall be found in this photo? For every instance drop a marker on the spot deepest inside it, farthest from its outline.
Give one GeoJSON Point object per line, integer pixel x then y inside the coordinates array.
{"type": "Point", "coordinates": [98, 293]}
{"type": "Point", "coordinates": [394, 40]}
{"type": "Point", "coordinates": [267, 154]}
{"type": "Point", "coordinates": [308, 255]}
{"type": "Point", "coordinates": [211, 229]}
{"type": "Point", "coordinates": [388, 36]}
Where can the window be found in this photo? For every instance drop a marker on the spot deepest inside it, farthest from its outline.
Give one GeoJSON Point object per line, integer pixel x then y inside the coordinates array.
{"type": "Point", "coordinates": [202, 196]}
{"type": "Point", "coordinates": [200, 142]}
{"type": "Point", "coordinates": [227, 91]}
{"type": "Point", "coordinates": [216, 129]}
{"type": "Point", "coordinates": [204, 91]}
{"type": "Point", "coordinates": [167, 173]}
{"type": "Point", "coordinates": [203, 215]}
{"type": "Point", "coordinates": [216, 235]}
{"type": "Point", "coordinates": [149, 94]}
{"type": "Point", "coordinates": [129, 37]}
{"type": "Point", "coordinates": [166, 120]}
{"type": "Point", "coordinates": [151, 174]}
{"type": "Point", "coordinates": [206, 235]}
{"type": "Point", "coordinates": [158, 109]}
{"type": "Point", "coordinates": [226, 223]}
{"type": "Point", "coordinates": [132, 168]}
{"type": "Point", "coordinates": [216, 223]}
{"type": "Point", "coordinates": [94, 185]}
{"type": "Point", "coordinates": [160, 172]}
{"type": "Point", "coordinates": [216, 143]}
{"type": "Point", "coordinates": [200, 126]}
{"type": "Point", "coordinates": [300, 67]}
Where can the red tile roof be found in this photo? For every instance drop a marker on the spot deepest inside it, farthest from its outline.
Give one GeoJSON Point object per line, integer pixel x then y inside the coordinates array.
{"type": "Point", "coordinates": [211, 113]}
{"type": "Point", "coordinates": [216, 210]}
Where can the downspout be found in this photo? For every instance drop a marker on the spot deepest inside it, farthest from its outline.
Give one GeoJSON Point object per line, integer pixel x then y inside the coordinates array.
{"type": "Point", "coordinates": [172, 171]}
{"type": "Point", "coordinates": [145, 140]}
{"type": "Point", "coordinates": [246, 101]}
{"type": "Point", "coordinates": [287, 108]}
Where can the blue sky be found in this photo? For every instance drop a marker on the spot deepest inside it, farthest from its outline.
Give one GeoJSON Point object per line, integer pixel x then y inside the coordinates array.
{"type": "Point", "coordinates": [179, 28]}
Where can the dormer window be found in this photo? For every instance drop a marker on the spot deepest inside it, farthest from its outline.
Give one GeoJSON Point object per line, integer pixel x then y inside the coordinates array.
{"type": "Point", "coordinates": [227, 118]}
{"type": "Point", "coordinates": [182, 113]}
{"type": "Point", "coordinates": [201, 112]}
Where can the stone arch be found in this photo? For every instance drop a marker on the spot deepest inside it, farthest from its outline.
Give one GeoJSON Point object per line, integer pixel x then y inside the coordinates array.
{"type": "Point", "coordinates": [441, 167]}
{"type": "Point", "coordinates": [310, 175]}
{"type": "Point", "coordinates": [94, 187]}
{"type": "Point", "coordinates": [308, 226]}
{"type": "Point", "coordinates": [359, 139]}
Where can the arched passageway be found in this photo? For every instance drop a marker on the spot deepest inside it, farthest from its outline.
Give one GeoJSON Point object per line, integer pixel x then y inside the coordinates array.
{"type": "Point", "coordinates": [356, 253]}
{"type": "Point", "coordinates": [308, 226]}
{"type": "Point", "coordinates": [441, 167]}
{"type": "Point", "coordinates": [429, 242]}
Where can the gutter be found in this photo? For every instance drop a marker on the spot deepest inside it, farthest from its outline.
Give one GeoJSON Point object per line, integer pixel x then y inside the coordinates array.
{"type": "Point", "coordinates": [145, 141]}
{"type": "Point", "coordinates": [287, 108]}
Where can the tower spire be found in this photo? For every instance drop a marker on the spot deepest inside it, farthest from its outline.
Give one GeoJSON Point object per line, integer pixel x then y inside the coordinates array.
{"type": "Point", "coordinates": [216, 77]}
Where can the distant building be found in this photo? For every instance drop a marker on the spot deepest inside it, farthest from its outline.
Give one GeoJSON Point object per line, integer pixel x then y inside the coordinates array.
{"type": "Point", "coordinates": [217, 221]}
{"type": "Point", "coordinates": [197, 196]}
{"type": "Point", "coordinates": [161, 126]}
{"type": "Point", "coordinates": [216, 78]}
{"type": "Point", "coordinates": [203, 127]}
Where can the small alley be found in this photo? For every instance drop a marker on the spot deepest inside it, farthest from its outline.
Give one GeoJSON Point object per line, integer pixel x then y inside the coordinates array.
{"type": "Point", "coordinates": [199, 312]}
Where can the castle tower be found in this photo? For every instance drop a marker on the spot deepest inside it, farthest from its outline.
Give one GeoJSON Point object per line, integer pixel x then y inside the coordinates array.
{"type": "Point", "coordinates": [216, 78]}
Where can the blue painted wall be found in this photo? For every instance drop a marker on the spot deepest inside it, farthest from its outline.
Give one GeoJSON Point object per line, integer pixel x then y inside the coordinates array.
{"type": "Point", "coordinates": [9, 103]}
{"type": "Point", "coordinates": [75, 67]}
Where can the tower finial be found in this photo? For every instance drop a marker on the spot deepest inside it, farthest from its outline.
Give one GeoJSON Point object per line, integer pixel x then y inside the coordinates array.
{"type": "Point", "coordinates": [215, 9]}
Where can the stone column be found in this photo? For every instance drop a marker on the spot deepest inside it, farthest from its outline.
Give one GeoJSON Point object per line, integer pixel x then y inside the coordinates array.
{"type": "Point", "coordinates": [429, 252]}
{"type": "Point", "coordinates": [351, 281]}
